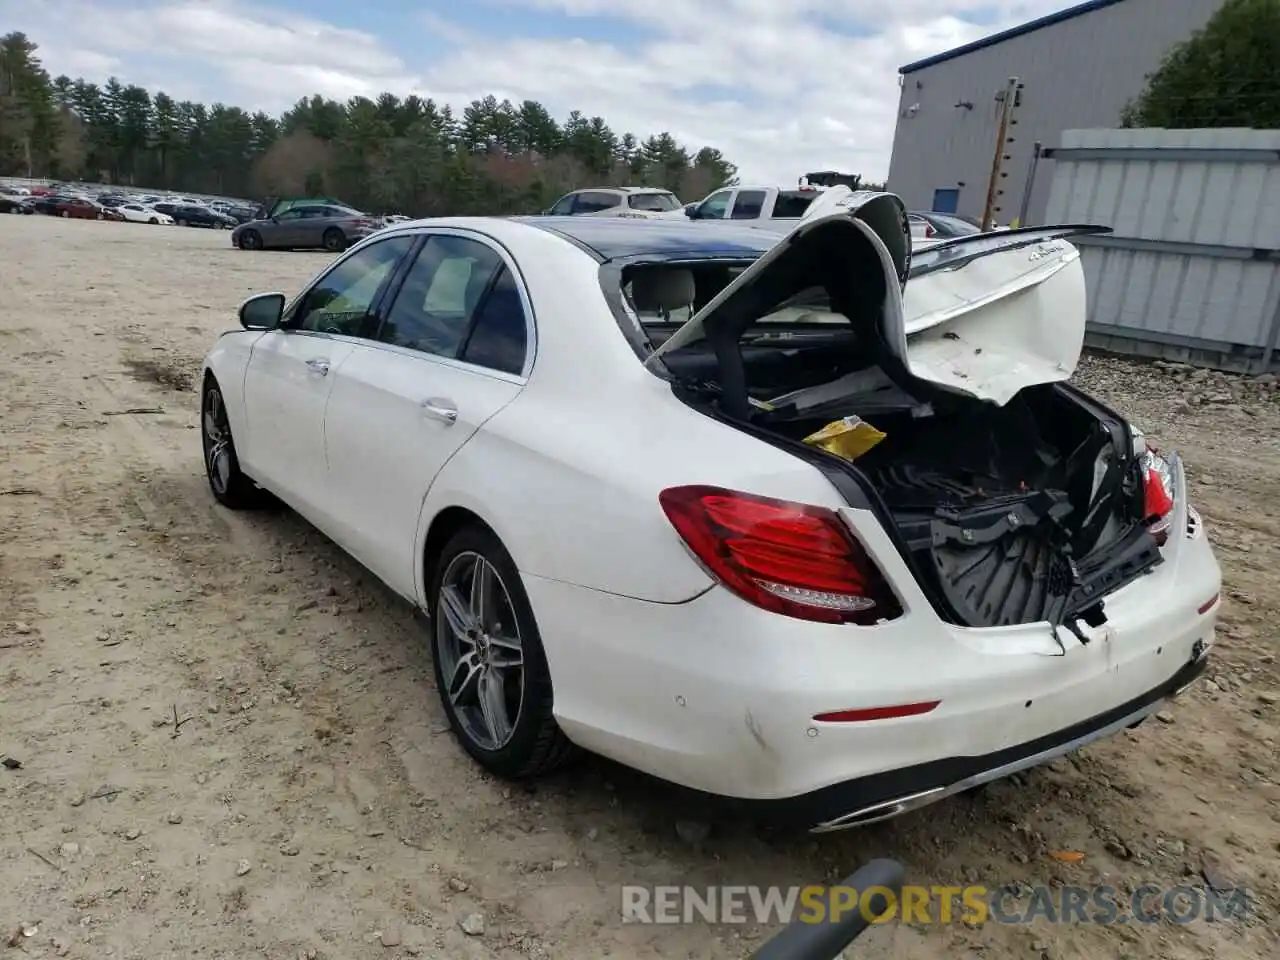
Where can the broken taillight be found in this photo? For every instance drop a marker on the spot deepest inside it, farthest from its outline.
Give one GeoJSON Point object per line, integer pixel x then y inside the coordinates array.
{"type": "Point", "coordinates": [790, 558]}
{"type": "Point", "coordinates": [1157, 497]}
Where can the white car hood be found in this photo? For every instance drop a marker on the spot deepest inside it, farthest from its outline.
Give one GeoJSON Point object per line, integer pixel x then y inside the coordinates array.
{"type": "Point", "coordinates": [984, 316]}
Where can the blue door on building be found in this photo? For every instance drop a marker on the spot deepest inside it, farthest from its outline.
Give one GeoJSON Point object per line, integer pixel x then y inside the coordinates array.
{"type": "Point", "coordinates": [946, 199]}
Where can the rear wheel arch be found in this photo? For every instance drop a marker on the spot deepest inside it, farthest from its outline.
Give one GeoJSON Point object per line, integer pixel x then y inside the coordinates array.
{"type": "Point", "coordinates": [537, 745]}
{"type": "Point", "coordinates": [443, 526]}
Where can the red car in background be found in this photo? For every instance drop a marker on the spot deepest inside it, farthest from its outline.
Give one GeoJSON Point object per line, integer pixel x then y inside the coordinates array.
{"type": "Point", "coordinates": [81, 209]}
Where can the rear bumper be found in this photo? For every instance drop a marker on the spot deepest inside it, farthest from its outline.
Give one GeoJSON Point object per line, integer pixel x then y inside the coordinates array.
{"type": "Point", "coordinates": [720, 697]}
{"type": "Point", "coordinates": [870, 799]}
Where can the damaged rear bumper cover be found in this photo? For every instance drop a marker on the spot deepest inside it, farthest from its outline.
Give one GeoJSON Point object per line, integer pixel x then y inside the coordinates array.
{"type": "Point", "coordinates": [870, 799]}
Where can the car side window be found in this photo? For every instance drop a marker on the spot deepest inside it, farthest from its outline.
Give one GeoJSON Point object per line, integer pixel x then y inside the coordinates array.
{"type": "Point", "coordinates": [747, 205]}
{"type": "Point", "coordinates": [792, 204]}
{"type": "Point", "coordinates": [594, 202]}
{"type": "Point", "coordinates": [564, 206]}
{"type": "Point", "coordinates": [433, 309]}
{"type": "Point", "coordinates": [715, 206]}
{"type": "Point", "coordinates": [499, 331]}
{"type": "Point", "coordinates": [293, 214]}
{"type": "Point", "coordinates": [342, 300]}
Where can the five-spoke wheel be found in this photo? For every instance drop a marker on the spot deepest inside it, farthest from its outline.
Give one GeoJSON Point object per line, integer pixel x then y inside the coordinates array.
{"type": "Point", "coordinates": [479, 642]}
{"type": "Point", "coordinates": [490, 667]}
{"type": "Point", "coordinates": [228, 482]}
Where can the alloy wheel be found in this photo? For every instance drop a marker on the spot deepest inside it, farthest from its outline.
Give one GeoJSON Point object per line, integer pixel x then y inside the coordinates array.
{"type": "Point", "coordinates": [482, 657]}
{"type": "Point", "coordinates": [216, 434]}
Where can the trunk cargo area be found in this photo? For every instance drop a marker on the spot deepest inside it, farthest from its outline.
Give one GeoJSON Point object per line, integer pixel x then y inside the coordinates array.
{"type": "Point", "coordinates": [1010, 514]}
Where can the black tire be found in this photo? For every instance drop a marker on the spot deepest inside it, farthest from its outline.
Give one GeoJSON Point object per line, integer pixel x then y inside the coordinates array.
{"type": "Point", "coordinates": [230, 486]}
{"type": "Point", "coordinates": [154, 222]}
{"type": "Point", "coordinates": [334, 240]}
{"type": "Point", "coordinates": [250, 240]}
{"type": "Point", "coordinates": [536, 746]}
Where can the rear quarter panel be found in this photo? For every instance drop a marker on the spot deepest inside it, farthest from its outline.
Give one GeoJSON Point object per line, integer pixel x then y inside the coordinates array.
{"type": "Point", "coordinates": [573, 494]}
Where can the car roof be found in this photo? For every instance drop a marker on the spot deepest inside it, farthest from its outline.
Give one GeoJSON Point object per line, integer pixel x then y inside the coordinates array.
{"type": "Point", "coordinates": [614, 238]}
{"type": "Point", "coordinates": [627, 190]}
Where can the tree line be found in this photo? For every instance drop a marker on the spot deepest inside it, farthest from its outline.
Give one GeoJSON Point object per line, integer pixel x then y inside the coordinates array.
{"type": "Point", "coordinates": [391, 154]}
{"type": "Point", "coordinates": [1227, 74]}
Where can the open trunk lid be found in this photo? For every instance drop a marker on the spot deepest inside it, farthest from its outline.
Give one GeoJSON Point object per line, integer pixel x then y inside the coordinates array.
{"type": "Point", "coordinates": [983, 316]}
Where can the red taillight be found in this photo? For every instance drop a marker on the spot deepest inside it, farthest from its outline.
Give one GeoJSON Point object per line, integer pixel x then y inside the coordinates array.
{"type": "Point", "coordinates": [790, 558]}
{"type": "Point", "coordinates": [1157, 497]}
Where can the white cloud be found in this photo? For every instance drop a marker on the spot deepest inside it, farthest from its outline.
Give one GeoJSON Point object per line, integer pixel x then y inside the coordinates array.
{"type": "Point", "coordinates": [794, 86]}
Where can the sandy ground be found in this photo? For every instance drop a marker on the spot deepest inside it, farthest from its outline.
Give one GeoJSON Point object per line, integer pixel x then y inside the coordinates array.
{"type": "Point", "coordinates": [307, 802]}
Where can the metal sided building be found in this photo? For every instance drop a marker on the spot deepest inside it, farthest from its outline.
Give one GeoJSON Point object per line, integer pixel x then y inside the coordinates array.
{"type": "Point", "coordinates": [1078, 67]}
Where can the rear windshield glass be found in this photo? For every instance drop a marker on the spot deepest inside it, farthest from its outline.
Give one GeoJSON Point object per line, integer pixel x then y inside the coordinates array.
{"type": "Point", "coordinates": [661, 302]}
{"type": "Point", "coordinates": [653, 202]}
{"type": "Point", "coordinates": [961, 228]}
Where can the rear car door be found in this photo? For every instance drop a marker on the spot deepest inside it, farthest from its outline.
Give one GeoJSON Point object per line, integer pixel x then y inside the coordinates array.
{"type": "Point", "coordinates": [453, 349]}
{"type": "Point", "coordinates": [291, 372]}
{"type": "Point", "coordinates": [748, 205]}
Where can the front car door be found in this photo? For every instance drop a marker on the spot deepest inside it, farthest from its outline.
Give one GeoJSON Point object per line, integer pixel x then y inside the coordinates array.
{"type": "Point", "coordinates": [284, 229]}
{"type": "Point", "coordinates": [291, 372]}
{"type": "Point", "coordinates": [563, 207]}
{"type": "Point", "coordinates": [715, 207]}
{"type": "Point", "coordinates": [453, 349]}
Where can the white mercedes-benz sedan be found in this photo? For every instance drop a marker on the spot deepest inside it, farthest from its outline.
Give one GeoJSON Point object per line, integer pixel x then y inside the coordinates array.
{"type": "Point", "coordinates": [813, 521]}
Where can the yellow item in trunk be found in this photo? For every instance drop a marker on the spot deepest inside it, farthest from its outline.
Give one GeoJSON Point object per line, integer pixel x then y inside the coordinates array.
{"type": "Point", "coordinates": [849, 438]}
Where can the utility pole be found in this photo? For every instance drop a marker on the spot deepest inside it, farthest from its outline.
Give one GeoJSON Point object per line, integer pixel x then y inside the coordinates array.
{"type": "Point", "coordinates": [1036, 151]}
{"type": "Point", "coordinates": [1008, 98]}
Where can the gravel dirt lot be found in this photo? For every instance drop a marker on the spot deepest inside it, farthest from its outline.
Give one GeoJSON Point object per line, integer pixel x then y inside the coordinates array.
{"type": "Point", "coordinates": [230, 747]}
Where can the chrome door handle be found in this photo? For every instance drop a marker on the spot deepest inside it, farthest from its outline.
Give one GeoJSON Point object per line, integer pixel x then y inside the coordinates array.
{"type": "Point", "coordinates": [442, 410]}
{"type": "Point", "coordinates": [318, 365]}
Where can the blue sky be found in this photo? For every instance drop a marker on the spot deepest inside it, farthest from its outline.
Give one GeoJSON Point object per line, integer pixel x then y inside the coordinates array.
{"type": "Point", "coordinates": [781, 86]}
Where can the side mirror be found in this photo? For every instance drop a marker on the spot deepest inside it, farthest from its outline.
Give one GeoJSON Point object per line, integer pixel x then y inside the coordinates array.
{"type": "Point", "coordinates": [262, 312]}
{"type": "Point", "coordinates": [691, 211]}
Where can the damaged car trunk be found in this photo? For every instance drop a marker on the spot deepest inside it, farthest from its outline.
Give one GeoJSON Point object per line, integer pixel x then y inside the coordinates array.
{"type": "Point", "coordinates": [937, 386]}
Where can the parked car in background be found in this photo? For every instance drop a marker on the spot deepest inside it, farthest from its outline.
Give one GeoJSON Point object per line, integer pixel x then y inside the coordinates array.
{"type": "Point", "coordinates": [47, 203]}
{"type": "Point", "coordinates": [635, 202]}
{"type": "Point", "coordinates": [772, 208]}
{"type": "Point", "coordinates": [138, 213]}
{"type": "Point", "coordinates": [317, 227]}
{"type": "Point", "coordinates": [16, 204]}
{"type": "Point", "coordinates": [238, 213]}
{"type": "Point", "coordinates": [193, 215]}
{"type": "Point", "coordinates": [942, 226]}
{"type": "Point", "coordinates": [846, 539]}
{"type": "Point", "coordinates": [81, 208]}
